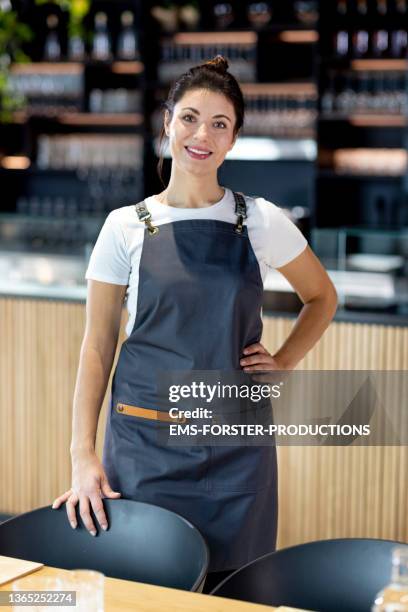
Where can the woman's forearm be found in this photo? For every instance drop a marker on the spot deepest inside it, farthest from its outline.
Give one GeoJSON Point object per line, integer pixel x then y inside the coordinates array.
{"type": "Point", "coordinates": [90, 388]}
{"type": "Point", "coordinates": [312, 321]}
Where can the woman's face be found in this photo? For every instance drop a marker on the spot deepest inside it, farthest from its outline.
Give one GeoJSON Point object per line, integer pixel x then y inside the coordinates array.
{"type": "Point", "coordinates": [203, 121]}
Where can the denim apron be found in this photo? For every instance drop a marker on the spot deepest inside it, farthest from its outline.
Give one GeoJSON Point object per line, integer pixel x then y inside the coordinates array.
{"type": "Point", "coordinates": [199, 305]}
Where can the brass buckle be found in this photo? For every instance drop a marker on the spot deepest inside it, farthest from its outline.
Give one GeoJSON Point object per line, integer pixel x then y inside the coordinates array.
{"type": "Point", "coordinates": [239, 225]}
{"type": "Point", "coordinates": [152, 229]}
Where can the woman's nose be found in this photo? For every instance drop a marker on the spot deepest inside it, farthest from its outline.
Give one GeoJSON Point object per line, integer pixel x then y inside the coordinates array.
{"type": "Point", "coordinates": [202, 130]}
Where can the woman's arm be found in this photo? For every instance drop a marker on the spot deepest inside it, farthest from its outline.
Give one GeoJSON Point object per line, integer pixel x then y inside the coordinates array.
{"type": "Point", "coordinates": [313, 285]}
{"type": "Point", "coordinates": [103, 316]}
{"type": "Point", "coordinates": [89, 481]}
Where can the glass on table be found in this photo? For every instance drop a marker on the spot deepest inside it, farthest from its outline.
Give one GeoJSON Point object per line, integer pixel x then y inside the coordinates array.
{"type": "Point", "coordinates": [89, 586]}
{"type": "Point", "coordinates": [36, 589]}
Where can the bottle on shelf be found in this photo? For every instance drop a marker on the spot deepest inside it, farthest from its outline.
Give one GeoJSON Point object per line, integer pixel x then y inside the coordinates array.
{"type": "Point", "coordinates": [362, 7]}
{"type": "Point", "coordinates": [127, 43]}
{"type": "Point", "coordinates": [394, 597]}
{"type": "Point", "coordinates": [360, 43]}
{"type": "Point", "coordinates": [401, 7]}
{"type": "Point", "coordinates": [380, 43]}
{"type": "Point", "coordinates": [382, 7]}
{"type": "Point", "coordinates": [341, 36]}
{"type": "Point", "coordinates": [101, 45]}
{"type": "Point", "coordinates": [76, 48]}
{"type": "Point", "coordinates": [399, 43]}
{"type": "Point", "coordinates": [341, 43]}
{"type": "Point", "coordinates": [52, 47]}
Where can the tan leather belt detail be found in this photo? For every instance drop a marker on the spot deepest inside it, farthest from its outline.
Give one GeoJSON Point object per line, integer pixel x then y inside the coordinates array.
{"type": "Point", "coordinates": [148, 413]}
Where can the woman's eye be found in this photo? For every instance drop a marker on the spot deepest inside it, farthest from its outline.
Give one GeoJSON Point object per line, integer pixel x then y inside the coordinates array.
{"type": "Point", "coordinates": [185, 116]}
{"type": "Point", "coordinates": [221, 122]}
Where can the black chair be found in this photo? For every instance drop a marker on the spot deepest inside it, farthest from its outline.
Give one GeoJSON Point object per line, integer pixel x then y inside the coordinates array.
{"type": "Point", "coordinates": [145, 543]}
{"type": "Point", "coordinates": [326, 576]}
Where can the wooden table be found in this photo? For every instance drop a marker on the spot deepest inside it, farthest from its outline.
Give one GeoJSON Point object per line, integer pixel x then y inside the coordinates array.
{"type": "Point", "coordinates": [126, 595]}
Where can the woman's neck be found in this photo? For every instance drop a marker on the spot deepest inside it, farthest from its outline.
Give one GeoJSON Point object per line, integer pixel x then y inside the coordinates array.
{"type": "Point", "coordinates": [196, 195]}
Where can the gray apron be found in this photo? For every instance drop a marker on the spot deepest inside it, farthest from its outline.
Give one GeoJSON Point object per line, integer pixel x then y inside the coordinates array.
{"type": "Point", "coordinates": [199, 305]}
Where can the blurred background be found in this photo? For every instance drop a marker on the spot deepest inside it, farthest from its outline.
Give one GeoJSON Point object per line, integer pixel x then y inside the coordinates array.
{"type": "Point", "coordinates": [81, 90]}
{"type": "Point", "coordinates": [325, 137]}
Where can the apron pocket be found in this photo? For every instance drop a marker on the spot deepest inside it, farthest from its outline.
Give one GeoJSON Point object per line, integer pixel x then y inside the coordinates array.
{"type": "Point", "coordinates": [242, 468]}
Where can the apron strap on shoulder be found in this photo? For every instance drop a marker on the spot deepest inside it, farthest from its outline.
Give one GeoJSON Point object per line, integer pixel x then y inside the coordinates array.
{"type": "Point", "coordinates": [240, 210]}
{"type": "Point", "coordinates": [145, 216]}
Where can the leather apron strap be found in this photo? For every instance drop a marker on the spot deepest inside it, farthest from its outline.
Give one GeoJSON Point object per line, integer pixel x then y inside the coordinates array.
{"type": "Point", "coordinates": [240, 210]}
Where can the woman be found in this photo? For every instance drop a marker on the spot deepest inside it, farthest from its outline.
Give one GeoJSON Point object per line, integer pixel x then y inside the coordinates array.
{"type": "Point", "coordinates": [192, 260]}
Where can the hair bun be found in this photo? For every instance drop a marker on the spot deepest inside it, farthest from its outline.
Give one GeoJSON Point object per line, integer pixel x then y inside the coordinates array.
{"type": "Point", "coordinates": [218, 63]}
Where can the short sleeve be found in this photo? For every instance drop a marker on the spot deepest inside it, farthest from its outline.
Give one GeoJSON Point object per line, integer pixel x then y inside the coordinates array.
{"type": "Point", "coordinates": [284, 240]}
{"type": "Point", "coordinates": [109, 261]}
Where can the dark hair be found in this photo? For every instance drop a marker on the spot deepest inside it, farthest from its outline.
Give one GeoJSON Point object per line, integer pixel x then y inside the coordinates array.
{"type": "Point", "coordinates": [212, 75]}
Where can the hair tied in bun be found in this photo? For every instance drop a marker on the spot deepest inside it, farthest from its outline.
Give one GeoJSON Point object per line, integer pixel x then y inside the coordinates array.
{"type": "Point", "coordinates": [218, 63]}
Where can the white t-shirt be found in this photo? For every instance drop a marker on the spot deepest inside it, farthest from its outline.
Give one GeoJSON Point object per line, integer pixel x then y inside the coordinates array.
{"type": "Point", "coordinates": [115, 258]}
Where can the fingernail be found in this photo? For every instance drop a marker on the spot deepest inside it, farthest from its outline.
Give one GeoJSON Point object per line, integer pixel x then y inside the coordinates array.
{"type": "Point", "coordinates": [104, 527]}
{"type": "Point", "coordinates": [73, 525]}
{"type": "Point", "coordinates": [53, 506]}
{"type": "Point", "coordinates": [93, 533]}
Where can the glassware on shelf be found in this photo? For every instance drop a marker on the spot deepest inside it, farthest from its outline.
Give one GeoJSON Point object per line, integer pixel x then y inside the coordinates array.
{"type": "Point", "coordinates": [118, 100]}
{"type": "Point", "coordinates": [189, 15]}
{"type": "Point", "coordinates": [79, 151]}
{"type": "Point", "coordinates": [101, 45]}
{"type": "Point", "coordinates": [259, 14]}
{"type": "Point", "coordinates": [224, 15]}
{"type": "Point", "coordinates": [127, 44]}
{"type": "Point", "coordinates": [167, 17]}
{"type": "Point", "coordinates": [377, 92]}
{"type": "Point", "coordinates": [306, 11]}
{"type": "Point", "coordinates": [52, 47]}
{"type": "Point", "coordinates": [177, 57]}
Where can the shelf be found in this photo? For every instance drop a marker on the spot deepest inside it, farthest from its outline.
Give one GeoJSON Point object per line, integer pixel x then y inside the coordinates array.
{"type": "Point", "coordinates": [57, 68]}
{"type": "Point", "coordinates": [108, 119]}
{"type": "Point", "coordinates": [47, 68]}
{"type": "Point", "coordinates": [213, 38]}
{"type": "Point", "coordinates": [299, 36]}
{"type": "Point", "coordinates": [367, 120]}
{"type": "Point", "coordinates": [82, 118]}
{"type": "Point", "coordinates": [262, 89]}
{"type": "Point", "coordinates": [332, 174]}
{"type": "Point", "coordinates": [379, 64]}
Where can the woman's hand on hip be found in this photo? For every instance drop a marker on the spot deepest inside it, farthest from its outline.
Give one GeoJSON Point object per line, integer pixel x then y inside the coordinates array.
{"type": "Point", "coordinates": [89, 486]}
{"type": "Point", "coordinates": [257, 359]}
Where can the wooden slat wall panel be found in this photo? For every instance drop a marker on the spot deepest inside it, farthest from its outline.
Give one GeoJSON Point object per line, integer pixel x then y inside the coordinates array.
{"type": "Point", "coordinates": [344, 491]}
{"type": "Point", "coordinates": [324, 492]}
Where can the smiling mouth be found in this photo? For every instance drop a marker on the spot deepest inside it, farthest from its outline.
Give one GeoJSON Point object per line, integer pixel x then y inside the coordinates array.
{"type": "Point", "coordinates": [197, 153]}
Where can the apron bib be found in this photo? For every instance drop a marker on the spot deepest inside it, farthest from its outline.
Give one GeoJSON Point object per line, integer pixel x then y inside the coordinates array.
{"type": "Point", "coordinates": [199, 304]}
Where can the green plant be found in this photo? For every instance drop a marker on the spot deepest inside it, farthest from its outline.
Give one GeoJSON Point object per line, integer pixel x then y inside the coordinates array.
{"type": "Point", "coordinates": [13, 34]}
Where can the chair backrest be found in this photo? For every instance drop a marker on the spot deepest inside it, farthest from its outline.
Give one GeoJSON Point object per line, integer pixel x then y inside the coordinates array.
{"type": "Point", "coordinates": [144, 542]}
{"type": "Point", "coordinates": [342, 575]}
